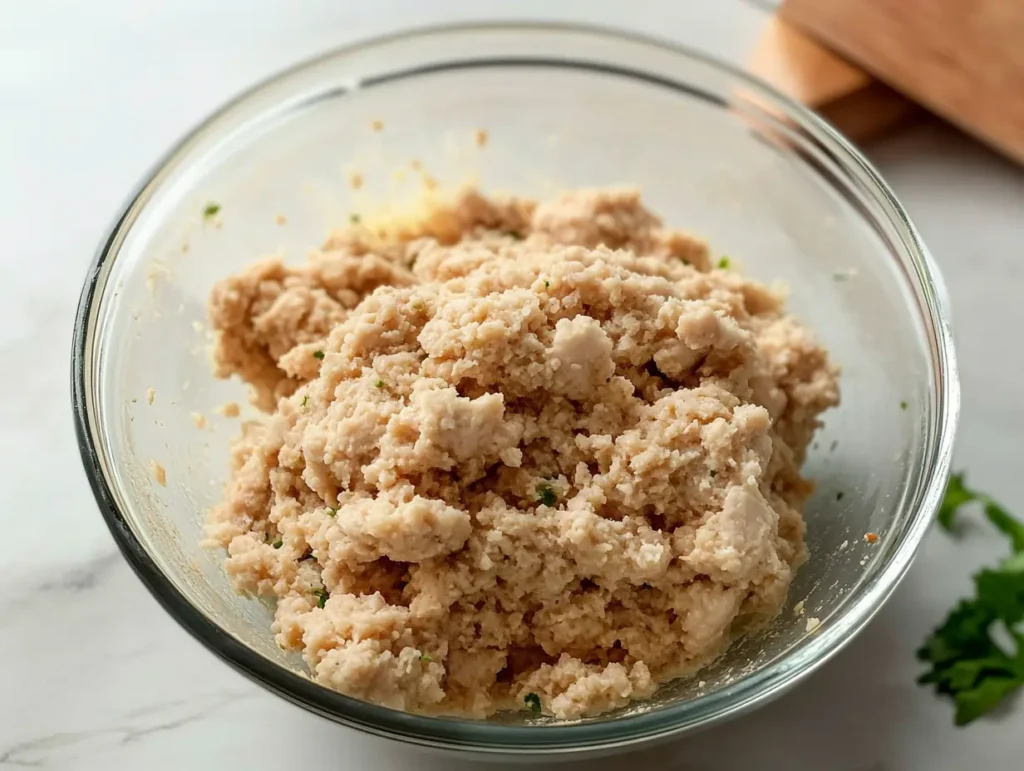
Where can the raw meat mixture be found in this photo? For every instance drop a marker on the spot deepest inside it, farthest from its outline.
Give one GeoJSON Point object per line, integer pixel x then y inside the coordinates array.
{"type": "Point", "coordinates": [518, 455]}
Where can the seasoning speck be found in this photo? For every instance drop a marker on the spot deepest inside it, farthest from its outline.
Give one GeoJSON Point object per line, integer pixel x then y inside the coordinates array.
{"type": "Point", "coordinates": [723, 264]}
{"type": "Point", "coordinates": [321, 597]}
{"type": "Point", "coordinates": [319, 355]}
{"type": "Point", "coordinates": [532, 701]}
{"type": "Point", "coordinates": [305, 401]}
{"type": "Point", "coordinates": [354, 218]}
{"type": "Point", "coordinates": [903, 405]}
{"type": "Point", "coordinates": [839, 495]}
{"type": "Point", "coordinates": [330, 511]}
{"type": "Point", "coordinates": [425, 657]}
{"type": "Point", "coordinates": [230, 410]}
{"type": "Point", "coordinates": [211, 211]}
{"type": "Point", "coordinates": [546, 494]}
{"type": "Point", "coordinates": [150, 395]}
{"type": "Point", "coordinates": [379, 383]}
{"type": "Point", "coordinates": [278, 543]}
{"type": "Point", "coordinates": [871, 537]}
{"type": "Point", "coordinates": [159, 473]}
{"type": "Point", "coordinates": [377, 125]}
{"type": "Point", "coordinates": [481, 137]}
{"type": "Point", "coordinates": [280, 219]}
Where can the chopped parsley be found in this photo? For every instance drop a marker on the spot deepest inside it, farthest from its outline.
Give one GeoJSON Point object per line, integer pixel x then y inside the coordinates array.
{"type": "Point", "coordinates": [547, 284]}
{"type": "Point", "coordinates": [532, 701]}
{"type": "Point", "coordinates": [546, 494]}
{"type": "Point", "coordinates": [968, 655]}
{"type": "Point", "coordinates": [321, 597]}
{"type": "Point", "coordinates": [425, 657]}
{"type": "Point", "coordinates": [305, 400]}
{"type": "Point", "coordinates": [330, 511]}
{"type": "Point", "coordinates": [379, 383]}
{"type": "Point", "coordinates": [318, 355]}
{"type": "Point", "coordinates": [713, 473]}
{"type": "Point", "coordinates": [211, 211]}
{"type": "Point", "coordinates": [355, 219]}
{"type": "Point", "coordinates": [278, 543]}
{"type": "Point", "coordinates": [903, 405]}
{"type": "Point", "coordinates": [723, 263]}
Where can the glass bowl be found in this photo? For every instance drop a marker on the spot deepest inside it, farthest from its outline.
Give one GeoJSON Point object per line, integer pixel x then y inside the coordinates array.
{"type": "Point", "coordinates": [713, 151]}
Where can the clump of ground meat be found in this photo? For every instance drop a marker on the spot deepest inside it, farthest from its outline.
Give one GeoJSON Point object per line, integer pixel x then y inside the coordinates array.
{"type": "Point", "coordinates": [515, 454]}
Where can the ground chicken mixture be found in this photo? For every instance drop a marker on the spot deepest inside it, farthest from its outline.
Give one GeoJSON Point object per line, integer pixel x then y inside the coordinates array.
{"type": "Point", "coordinates": [517, 455]}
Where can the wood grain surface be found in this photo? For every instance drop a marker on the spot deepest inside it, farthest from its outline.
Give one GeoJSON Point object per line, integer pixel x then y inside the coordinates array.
{"type": "Point", "coordinates": [848, 97]}
{"type": "Point", "coordinates": [963, 59]}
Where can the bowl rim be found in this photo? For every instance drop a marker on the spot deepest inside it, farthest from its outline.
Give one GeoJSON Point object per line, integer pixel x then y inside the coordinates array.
{"type": "Point", "coordinates": [482, 736]}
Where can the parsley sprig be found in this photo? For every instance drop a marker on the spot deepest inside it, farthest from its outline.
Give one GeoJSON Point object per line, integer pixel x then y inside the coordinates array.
{"type": "Point", "coordinates": [969, 660]}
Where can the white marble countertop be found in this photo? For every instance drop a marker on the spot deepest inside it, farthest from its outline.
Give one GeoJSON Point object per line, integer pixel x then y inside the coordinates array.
{"type": "Point", "coordinates": [95, 675]}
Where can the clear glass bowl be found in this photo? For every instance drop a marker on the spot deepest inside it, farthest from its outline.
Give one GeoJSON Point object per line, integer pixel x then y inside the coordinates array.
{"type": "Point", "coordinates": [713, 151]}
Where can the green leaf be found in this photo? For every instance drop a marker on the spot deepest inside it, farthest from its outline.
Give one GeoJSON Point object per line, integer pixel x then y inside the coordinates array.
{"type": "Point", "coordinates": [1002, 592]}
{"type": "Point", "coordinates": [972, 704]}
{"type": "Point", "coordinates": [965, 660]}
{"type": "Point", "coordinates": [1006, 524]}
{"type": "Point", "coordinates": [956, 496]}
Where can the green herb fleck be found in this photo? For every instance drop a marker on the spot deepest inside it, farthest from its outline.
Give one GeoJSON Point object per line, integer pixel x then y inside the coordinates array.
{"type": "Point", "coordinates": [305, 401]}
{"type": "Point", "coordinates": [547, 284]}
{"type": "Point", "coordinates": [425, 657]}
{"type": "Point", "coordinates": [321, 597]}
{"type": "Point", "coordinates": [532, 701]}
{"type": "Point", "coordinates": [211, 211]}
{"type": "Point", "coordinates": [839, 495]}
{"type": "Point", "coordinates": [354, 218]}
{"type": "Point", "coordinates": [723, 264]}
{"type": "Point", "coordinates": [330, 511]}
{"type": "Point", "coordinates": [319, 355]}
{"type": "Point", "coordinates": [278, 543]}
{"type": "Point", "coordinates": [546, 494]}
{"type": "Point", "coordinates": [966, 663]}
{"type": "Point", "coordinates": [713, 473]}
{"type": "Point", "coordinates": [379, 383]}
{"type": "Point", "coordinates": [904, 405]}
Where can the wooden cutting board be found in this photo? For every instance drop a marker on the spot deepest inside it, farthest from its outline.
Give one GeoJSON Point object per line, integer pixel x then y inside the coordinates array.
{"type": "Point", "coordinates": [853, 101]}
{"type": "Point", "coordinates": [963, 59]}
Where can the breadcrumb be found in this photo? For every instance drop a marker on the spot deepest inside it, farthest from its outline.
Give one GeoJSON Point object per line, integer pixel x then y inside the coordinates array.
{"type": "Point", "coordinates": [230, 410]}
